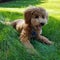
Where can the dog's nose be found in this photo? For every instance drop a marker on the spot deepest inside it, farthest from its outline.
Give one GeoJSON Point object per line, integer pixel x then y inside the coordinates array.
{"type": "Point", "coordinates": [42, 24]}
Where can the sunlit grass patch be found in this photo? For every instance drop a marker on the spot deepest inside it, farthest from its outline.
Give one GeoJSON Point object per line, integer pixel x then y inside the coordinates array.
{"type": "Point", "coordinates": [19, 10]}
{"type": "Point", "coordinates": [9, 16]}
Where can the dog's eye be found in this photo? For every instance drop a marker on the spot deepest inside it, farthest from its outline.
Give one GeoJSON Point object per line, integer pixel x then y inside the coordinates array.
{"type": "Point", "coordinates": [43, 16]}
{"type": "Point", "coordinates": [36, 16]}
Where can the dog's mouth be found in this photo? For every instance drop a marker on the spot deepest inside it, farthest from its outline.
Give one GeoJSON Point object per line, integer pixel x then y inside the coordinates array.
{"type": "Point", "coordinates": [38, 26]}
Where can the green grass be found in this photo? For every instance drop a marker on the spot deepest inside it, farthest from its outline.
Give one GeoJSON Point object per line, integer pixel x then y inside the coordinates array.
{"type": "Point", "coordinates": [10, 46]}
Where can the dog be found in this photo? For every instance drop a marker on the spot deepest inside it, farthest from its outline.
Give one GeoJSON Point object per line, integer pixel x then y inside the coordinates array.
{"type": "Point", "coordinates": [34, 19]}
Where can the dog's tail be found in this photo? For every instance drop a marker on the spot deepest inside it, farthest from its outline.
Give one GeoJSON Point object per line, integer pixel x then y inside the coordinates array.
{"type": "Point", "coordinates": [9, 23]}
{"type": "Point", "coordinates": [5, 23]}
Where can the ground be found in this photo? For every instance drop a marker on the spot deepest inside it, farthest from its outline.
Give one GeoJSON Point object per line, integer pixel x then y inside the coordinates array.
{"type": "Point", "coordinates": [10, 46]}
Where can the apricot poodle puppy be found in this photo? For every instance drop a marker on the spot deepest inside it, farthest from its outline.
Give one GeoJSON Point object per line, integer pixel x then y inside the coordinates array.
{"type": "Point", "coordinates": [31, 26]}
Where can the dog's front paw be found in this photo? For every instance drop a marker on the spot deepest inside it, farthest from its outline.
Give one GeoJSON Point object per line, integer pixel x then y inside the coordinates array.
{"type": "Point", "coordinates": [50, 43]}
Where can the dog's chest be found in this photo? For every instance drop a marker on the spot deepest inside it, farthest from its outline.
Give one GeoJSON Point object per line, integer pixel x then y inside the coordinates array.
{"type": "Point", "coordinates": [34, 33]}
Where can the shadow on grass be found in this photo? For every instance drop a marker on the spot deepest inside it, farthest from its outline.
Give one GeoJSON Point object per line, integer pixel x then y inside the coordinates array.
{"type": "Point", "coordinates": [21, 3]}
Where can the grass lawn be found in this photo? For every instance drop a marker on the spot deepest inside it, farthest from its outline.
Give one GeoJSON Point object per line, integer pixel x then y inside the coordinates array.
{"type": "Point", "coordinates": [10, 46]}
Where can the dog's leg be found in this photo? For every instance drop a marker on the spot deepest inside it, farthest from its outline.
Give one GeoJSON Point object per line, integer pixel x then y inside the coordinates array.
{"type": "Point", "coordinates": [43, 39]}
{"type": "Point", "coordinates": [24, 36]}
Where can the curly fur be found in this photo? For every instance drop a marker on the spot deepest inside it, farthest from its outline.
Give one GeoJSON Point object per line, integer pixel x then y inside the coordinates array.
{"type": "Point", "coordinates": [34, 19]}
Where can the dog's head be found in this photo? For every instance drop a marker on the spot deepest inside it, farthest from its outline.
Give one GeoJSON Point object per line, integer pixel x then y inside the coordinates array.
{"type": "Point", "coordinates": [36, 16]}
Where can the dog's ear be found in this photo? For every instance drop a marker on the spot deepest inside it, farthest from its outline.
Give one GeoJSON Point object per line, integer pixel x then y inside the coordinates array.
{"type": "Point", "coordinates": [27, 16]}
